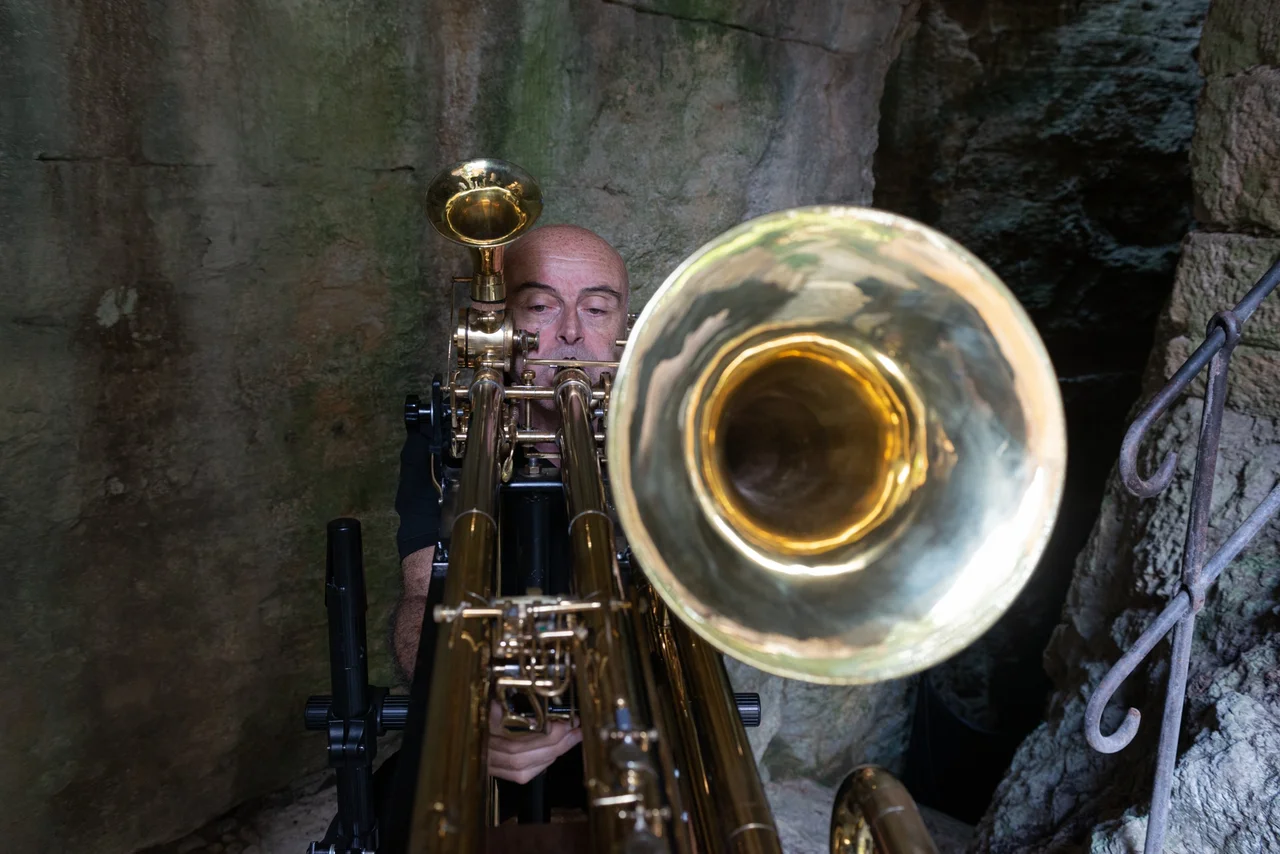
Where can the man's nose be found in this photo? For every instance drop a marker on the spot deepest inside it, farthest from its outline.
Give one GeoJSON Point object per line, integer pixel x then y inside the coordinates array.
{"type": "Point", "coordinates": [570, 332]}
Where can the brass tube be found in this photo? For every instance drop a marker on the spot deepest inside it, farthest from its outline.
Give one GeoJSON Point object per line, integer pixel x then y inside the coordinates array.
{"type": "Point", "coordinates": [726, 782]}
{"type": "Point", "coordinates": [547, 436]}
{"type": "Point", "coordinates": [487, 284]}
{"type": "Point", "coordinates": [622, 759]}
{"type": "Point", "coordinates": [449, 808]}
{"type": "Point", "coordinates": [574, 363]}
{"type": "Point", "coordinates": [530, 436]}
{"type": "Point", "coordinates": [673, 705]}
{"type": "Point", "coordinates": [534, 393]}
{"type": "Point", "coordinates": [874, 812]}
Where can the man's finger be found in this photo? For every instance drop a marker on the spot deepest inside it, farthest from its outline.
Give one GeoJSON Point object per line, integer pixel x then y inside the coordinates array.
{"type": "Point", "coordinates": [530, 762]}
{"type": "Point", "coordinates": [520, 776]}
{"type": "Point", "coordinates": [507, 743]}
{"type": "Point", "coordinates": [540, 758]}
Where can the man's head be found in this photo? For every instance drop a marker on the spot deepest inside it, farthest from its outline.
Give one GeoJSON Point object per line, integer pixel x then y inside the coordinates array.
{"type": "Point", "coordinates": [570, 286]}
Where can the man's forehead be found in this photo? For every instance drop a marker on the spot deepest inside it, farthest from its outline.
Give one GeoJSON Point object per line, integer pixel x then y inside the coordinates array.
{"type": "Point", "coordinates": [579, 256]}
{"type": "Point", "coordinates": [571, 244]}
{"type": "Point", "coordinates": [561, 257]}
{"type": "Point", "coordinates": [582, 289]}
{"type": "Point", "coordinates": [567, 272]}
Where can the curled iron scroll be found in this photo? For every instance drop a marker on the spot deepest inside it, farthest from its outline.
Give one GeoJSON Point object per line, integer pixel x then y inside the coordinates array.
{"type": "Point", "coordinates": [1198, 574]}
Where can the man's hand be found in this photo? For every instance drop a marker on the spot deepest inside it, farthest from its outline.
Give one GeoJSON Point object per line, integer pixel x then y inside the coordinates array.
{"type": "Point", "coordinates": [521, 758]}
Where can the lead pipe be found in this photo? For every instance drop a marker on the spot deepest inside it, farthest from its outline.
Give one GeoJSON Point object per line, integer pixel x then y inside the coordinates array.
{"type": "Point", "coordinates": [448, 815]}
{"type": "Point", "coordinates": [726, 781]}
{"type": "Point", "coordinates": [630, 807]}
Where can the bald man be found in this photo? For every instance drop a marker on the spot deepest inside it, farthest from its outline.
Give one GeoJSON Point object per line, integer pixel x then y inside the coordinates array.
{"type": "Point", "coordinates": [570, 286]}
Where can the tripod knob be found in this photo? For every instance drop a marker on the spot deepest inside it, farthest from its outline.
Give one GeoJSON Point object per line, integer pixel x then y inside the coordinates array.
{"type": "Point", "coordinates": [416, 416]}
{"type": "Point", "coordinates": [748, 708]}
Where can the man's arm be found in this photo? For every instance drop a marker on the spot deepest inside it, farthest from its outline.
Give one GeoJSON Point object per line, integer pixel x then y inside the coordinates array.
{"type": "Point", "coordinates": [412, 608]}
{"type": "Point", "coordinates": [418, 506]}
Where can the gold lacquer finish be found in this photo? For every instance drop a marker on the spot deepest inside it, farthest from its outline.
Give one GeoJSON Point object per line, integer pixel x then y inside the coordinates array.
{"type": "Point", "coordinates": [836, 444]}
{"type": "Point", "coordinates": [633, 809]}
{"type": "Point", "coordinates": [803, 444]}
{"type": "Point", "coordinates": [449, 810]}
{"type": "Point", "coordinates": [835, 448]}
{"type": "Point", "coordinates": [730, 798]}
{"type": "Point", "coordinates": [874, 814]}
{"type": "Point", "coordinates": [487, 339]}
{"type": "Point", "coordinates": [484, 204]}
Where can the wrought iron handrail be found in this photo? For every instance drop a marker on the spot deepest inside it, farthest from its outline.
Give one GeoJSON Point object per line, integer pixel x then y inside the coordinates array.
{"type": "Point", "coordinates": [1198, 574]}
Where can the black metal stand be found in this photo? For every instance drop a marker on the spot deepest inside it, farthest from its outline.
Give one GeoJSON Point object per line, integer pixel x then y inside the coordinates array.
{"type": "Point", "coordinates": [1198, 574]}
{"type": "Point", "coordinates": [355, 711]}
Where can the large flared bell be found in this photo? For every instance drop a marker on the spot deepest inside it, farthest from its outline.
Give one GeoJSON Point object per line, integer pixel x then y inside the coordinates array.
{"type": "Point", "coordinates": [836, 444]}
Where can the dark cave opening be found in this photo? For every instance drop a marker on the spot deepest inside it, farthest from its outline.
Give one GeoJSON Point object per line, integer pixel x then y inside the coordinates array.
{"type": "Point", "coordinates": [1031, 133]}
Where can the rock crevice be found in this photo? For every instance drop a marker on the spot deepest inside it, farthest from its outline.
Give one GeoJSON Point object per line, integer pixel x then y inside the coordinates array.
{"type": "Point", "coordinates": [1059, 795]}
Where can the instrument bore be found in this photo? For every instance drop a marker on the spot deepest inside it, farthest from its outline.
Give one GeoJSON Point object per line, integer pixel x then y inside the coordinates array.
{"type": "Point", "coordinates": [805, 444]}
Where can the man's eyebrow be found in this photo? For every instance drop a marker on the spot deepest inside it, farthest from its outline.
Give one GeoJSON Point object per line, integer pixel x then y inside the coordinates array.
{"type": "Point", "coordinates": [535, 286]}
{"type": "Point", "coordinates": [609, 290]}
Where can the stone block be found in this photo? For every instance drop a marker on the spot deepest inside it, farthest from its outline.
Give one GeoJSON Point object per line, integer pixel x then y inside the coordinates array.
{"type": "Point", "coordinates": [1239, 35]}
{"type": "Point", "coordinates": [1059, 792]}
{"type": "Point", "coordinates": [1235, 153]}
{"type": "Point", "coordinates": [1215, 271]}
{"type": "Point", "coordinates": [841, 26]}
{"type": "Point", "coordinates": [1253, 382]}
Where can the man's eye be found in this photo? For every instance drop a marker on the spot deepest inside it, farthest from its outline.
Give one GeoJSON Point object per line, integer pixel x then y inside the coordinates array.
{"type": "Point", "coordinates": [538, 308]}
{"type": "Point", "coordinates": [597, 312]}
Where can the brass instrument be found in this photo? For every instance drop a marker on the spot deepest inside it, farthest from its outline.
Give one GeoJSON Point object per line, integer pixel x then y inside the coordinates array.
{"type": "Point", "coordinates": [835, 445]}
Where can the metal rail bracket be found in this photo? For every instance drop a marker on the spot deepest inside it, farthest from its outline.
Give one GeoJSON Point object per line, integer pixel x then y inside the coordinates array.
{"type": "Point", "coordinates": [1198, 573]}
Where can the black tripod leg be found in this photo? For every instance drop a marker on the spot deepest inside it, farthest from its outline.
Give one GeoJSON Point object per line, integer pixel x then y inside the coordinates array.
{"type": "Point", "coordinates": [353, 740]}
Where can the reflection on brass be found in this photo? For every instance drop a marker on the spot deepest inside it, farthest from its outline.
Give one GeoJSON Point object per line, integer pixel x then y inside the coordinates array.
{"type": "Point", "coordinates": [632, 808]}
{"type": "Point", "coordinates": [449, 808]}
{"type": "Point", "coordinates": [804, 444]}
{"type": "Point", "coordinates": [572, 363]}
{"type": "Point", "coordinates": [484, 204]}
{"type": "Point", "coordinates": [732, 809]}
{"type": "Point", "coordinates": [836, 445]}
{"type": "Point", "coordinates": [835, 450]}
{"type": "Point", "coordinates": [874, 814]}
{"type": "Point", "coordinates": [488, 338]}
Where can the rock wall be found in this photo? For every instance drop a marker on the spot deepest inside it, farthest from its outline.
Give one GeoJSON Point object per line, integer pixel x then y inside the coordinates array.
{"type": "Point", "coordinates": [219, 286]}
{"type": "Point", "coordinates": [1052, 140]}
{"type": "Point", "coordinates": [1059, 795]}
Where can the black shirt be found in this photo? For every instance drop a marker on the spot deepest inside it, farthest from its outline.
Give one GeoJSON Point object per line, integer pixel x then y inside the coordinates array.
{"type": "Point", "coordinates": [535, 553]}
{"type": "Point", "coordinates": [417, 497]}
